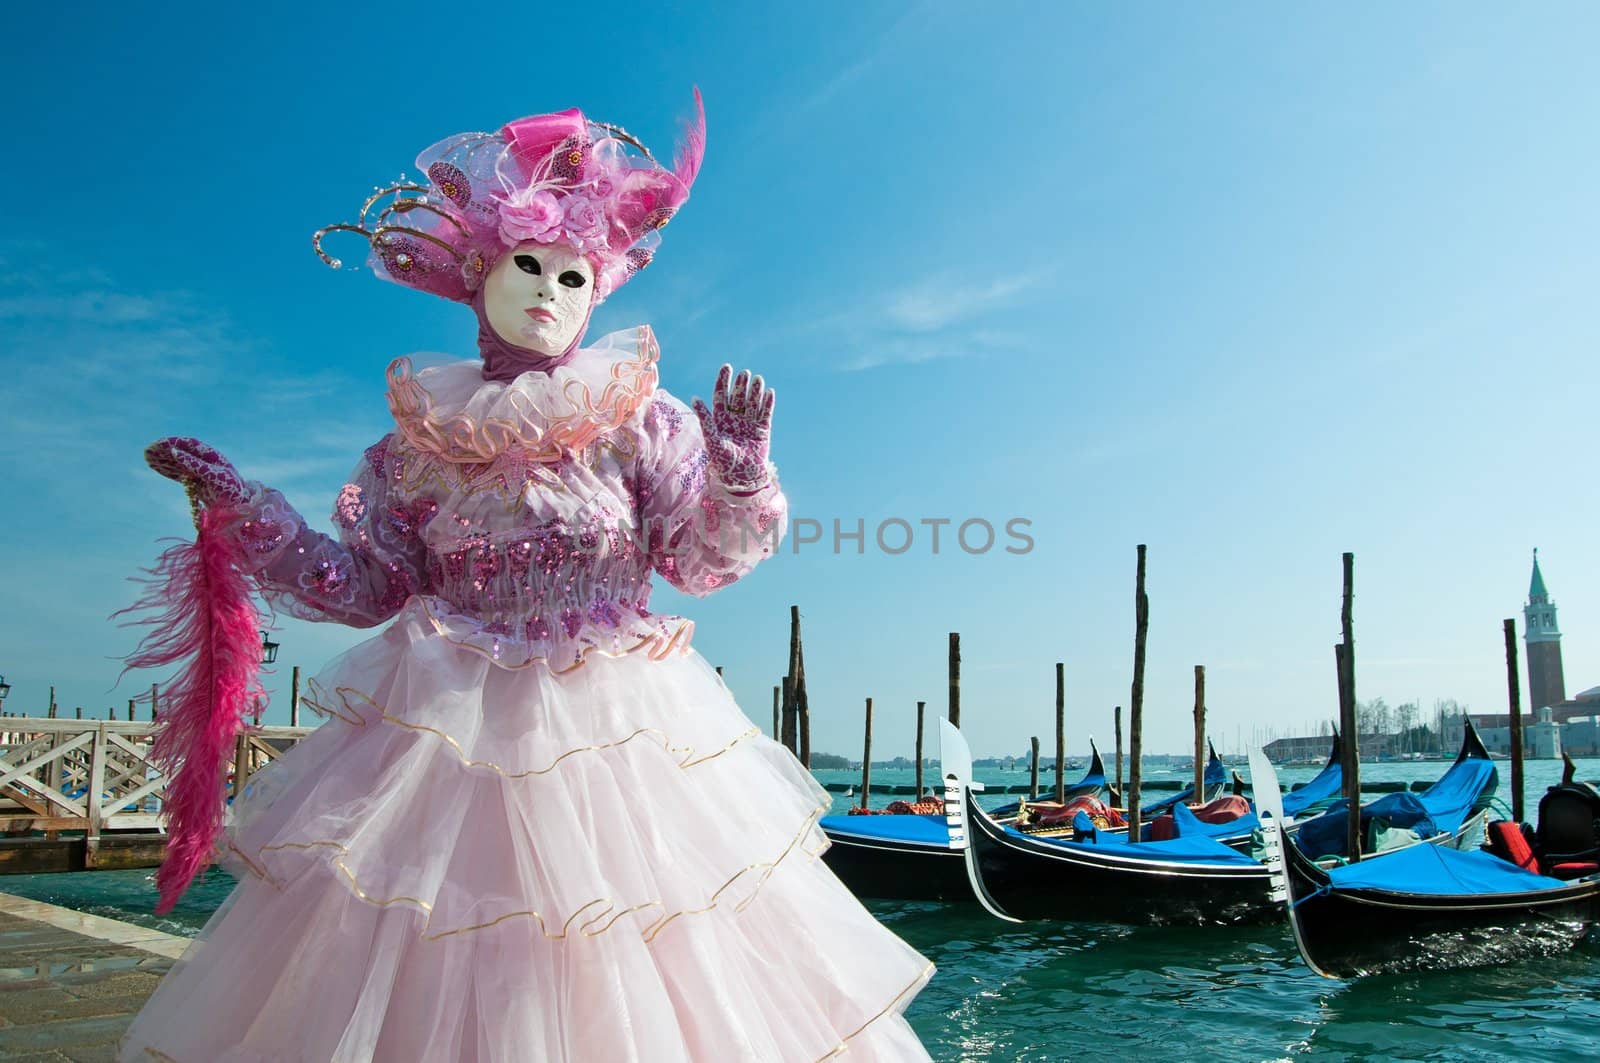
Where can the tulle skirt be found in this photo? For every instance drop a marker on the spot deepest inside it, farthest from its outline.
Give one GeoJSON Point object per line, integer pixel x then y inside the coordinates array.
{"type": "Point", "coordinates": [489, 865]}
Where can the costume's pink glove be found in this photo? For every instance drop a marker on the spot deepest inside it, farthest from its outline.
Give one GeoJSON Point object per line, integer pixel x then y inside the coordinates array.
{"type": "Point", "coordinates": [738, 430]}
{"type": "Point", "coordinates": [208, 475]}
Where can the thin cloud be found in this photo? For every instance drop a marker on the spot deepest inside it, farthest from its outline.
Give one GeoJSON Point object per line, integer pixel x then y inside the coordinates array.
{"type": "Point", "coordinates": [878, 45]}
{"type": "Point", "coordinates": [912, 350]}
{"type": "Point", "coordinates": [147, 358]}
{"type": "Point", "coordinates": [836, 84]}
{"type": "Point", "coordinates": [935, 318]}
{"type": "Point", "coordinates": [103, 306]}
{"type": "Point", "coordinates": [95, 366]}
{"type": "Point", "coordinates": [939, 301]}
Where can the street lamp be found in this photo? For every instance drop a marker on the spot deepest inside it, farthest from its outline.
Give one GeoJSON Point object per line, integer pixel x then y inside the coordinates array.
{"type": "Point", "coordinates": [269, 654]}
{"type": "Point", "coordinates": [5, 689]}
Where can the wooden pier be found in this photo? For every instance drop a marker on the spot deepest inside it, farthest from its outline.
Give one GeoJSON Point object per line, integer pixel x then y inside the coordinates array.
{"type": "Point", "coordinates": [79, 795]}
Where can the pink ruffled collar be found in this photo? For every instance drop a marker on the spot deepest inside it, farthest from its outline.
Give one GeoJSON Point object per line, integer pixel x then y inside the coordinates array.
{"type": "Point", "coordinates": [453, 412]}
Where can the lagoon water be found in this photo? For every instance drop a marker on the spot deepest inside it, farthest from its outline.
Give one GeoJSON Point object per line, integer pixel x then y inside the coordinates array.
{"type": "Point", "coordinates": [1063, 990]}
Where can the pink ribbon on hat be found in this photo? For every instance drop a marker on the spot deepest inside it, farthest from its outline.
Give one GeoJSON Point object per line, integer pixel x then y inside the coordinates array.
{"type": "Point", "coordinates": [531, 140]}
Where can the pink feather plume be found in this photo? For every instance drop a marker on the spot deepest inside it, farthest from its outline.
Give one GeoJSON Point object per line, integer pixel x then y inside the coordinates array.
{"type": "Point", "coordinates": [206, 619]}
{"type": "Point", "coordinates": [691, 149]}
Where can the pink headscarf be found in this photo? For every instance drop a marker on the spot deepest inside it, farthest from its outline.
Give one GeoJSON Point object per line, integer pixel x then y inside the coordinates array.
{"type": "Point", "coordinates": [505, 361]}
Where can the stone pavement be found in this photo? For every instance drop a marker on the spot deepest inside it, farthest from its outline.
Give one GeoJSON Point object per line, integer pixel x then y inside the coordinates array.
{"type": "Point", "coordinates": [70, 983]}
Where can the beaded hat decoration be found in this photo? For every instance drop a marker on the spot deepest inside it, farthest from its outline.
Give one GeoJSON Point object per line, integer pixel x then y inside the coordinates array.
{"type": "Point", "coordinates": [546, 178]}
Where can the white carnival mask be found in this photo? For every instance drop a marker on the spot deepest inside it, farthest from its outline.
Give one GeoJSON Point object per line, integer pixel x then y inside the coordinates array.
{"type": "Point", "coordinates": [537, 296]}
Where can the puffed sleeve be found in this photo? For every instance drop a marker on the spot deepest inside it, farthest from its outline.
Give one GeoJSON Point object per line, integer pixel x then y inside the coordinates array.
{"type": "Point", "coordinates": [701, 535]}
{"type": "Point", "coordinates": [361, 578]}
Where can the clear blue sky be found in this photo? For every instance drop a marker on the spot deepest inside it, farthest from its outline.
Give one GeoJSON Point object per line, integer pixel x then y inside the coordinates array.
{"type": "Point", "coordinates": [1251, 285]}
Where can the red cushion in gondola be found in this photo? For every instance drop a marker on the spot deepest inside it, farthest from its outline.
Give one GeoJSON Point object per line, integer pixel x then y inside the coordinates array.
{"type": "Point", "coordinates": [1507, 841]}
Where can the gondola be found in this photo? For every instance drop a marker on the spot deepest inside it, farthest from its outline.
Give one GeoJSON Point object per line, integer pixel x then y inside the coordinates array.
{"type": "Point", "coordinates": [1181, 880]}
{"type": "Point", "coordinates": [912, 857]}
{"type": "Point", "coordinates": [1323, 788]}
{"type": "Point", "coordinates": [1435, 908]}
{"type": "Point", "coordinates": [1193, 879]}
{"type": "Point", "coordinates": [1215, 783]}
{"type": "Point", "coordinates": [1238, 833]}
{"type": "Point", "coordinates": [1463, 790]}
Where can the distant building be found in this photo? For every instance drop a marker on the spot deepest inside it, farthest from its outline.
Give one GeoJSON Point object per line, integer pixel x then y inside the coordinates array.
{"type": "Point", "coordinates": [1292, 750]}
{"type": "Point", "coordinates": [1546, 684]}
{"type": "Point", "coordinates": [1541, 737]}
{"type": "Point", "coordinates": [1582, 707]}
{"type": "Point", "coordinates": [1581, 736]}
{"type": "Point", "coordinates": [1554, 722]}
{"type": "Point", "coordinates": [1317, 748]}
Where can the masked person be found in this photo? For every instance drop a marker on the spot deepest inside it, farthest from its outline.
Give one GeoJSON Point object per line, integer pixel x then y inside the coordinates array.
{"type": "Point", "coordinates": [536, 825]}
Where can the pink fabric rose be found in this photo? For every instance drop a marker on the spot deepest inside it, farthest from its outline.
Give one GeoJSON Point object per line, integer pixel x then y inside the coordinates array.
{"type": "Point", "coordinates": [585, 223]}
{"type": "Point", "coordinates": [530, 217]}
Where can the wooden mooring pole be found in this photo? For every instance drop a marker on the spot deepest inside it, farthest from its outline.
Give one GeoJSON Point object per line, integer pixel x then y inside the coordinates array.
{"type": "Point", "coordinates": [803, 711]}
{"type": "Point", "coordinates": [1350, 752]}
{"type": "Point", "coordinates": [777, 714]}
{"type": "Point", "coordinates": [1514, 694]}
{"type": "Point", "coordinates": [241, 763]}
{"type": "Point", "coordinates": [154, 715]}
{"type": "Point", "coordinates": [955, 679]}
{"type": "Point", "coordinates": [1141, 625]}
{"type": "Point", "coordinates": [866, 759]}
{"type": "Point", "coordinates": [294, 697]}
{"type": "Point", "coordinates": [920, 706]}
{"type": "Point", "coordinates": [805, 730]}
{"type": "Point", "coordinates": [1116, 719]}
{"type": "Point", "coordinates": [1033, 770]}
{"type": "Point", "coordinates": [53, 771]}
{"type": "Point", "coordinates": [790, 739]}
{"type": "Point", "coordinates": [794, 641]}
{"type": "Point", "coordinates": [796, 705]}
{"type": "Point", "coordinates": [1061, 732]}
{"type": "Point", "coordinates": [1199, 734]}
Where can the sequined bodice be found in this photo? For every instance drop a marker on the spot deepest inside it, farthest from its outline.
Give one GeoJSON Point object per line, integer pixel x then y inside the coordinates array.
{"type": "Point", "coordinates": [529, 553]}
{"type": "Point", "coordinates": [518, 548]}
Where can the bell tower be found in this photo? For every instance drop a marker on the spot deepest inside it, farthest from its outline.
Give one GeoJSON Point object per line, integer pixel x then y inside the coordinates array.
{"type": "Point", "coordinates": [1545, 683]}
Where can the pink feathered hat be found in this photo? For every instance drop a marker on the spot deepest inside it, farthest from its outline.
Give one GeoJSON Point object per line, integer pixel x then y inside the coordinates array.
{"type": "Point", "coordinates": [546, 178]}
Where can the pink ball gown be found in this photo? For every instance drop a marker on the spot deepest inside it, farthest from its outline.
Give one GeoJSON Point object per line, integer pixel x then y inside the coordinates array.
{"type": "Point", "coordinates": [535, 825]}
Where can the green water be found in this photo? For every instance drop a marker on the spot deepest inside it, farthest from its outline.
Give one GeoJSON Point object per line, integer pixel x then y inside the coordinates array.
{"type": "Point", "coordinates": [1059, 991]}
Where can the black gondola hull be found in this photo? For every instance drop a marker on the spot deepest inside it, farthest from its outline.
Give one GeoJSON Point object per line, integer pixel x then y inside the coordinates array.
{"type": "Point", "coordinates": [878, 868]}
{"type": "Point", "coordinates": [1031, 879]}
{"type": "Point", "coordinates": [1347, 933]}
{"type": "Point", "coordinates": [906, 871]}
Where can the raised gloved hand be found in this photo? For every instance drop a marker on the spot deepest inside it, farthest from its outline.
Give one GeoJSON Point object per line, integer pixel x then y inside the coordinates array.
{"type": "Point", "coordinates": [209, 476]}
{"type": "Point", "coordinates": [738, 429]}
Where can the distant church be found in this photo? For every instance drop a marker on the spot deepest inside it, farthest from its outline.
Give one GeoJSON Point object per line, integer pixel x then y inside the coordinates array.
{"type": "Point", "coordinates": [1554, 721]}
{"type": "Point", "coordinates": [1546, 685]}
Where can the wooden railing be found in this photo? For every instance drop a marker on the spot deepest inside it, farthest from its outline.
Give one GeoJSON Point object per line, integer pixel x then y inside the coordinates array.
{"type": "Point", "coordinates": [95, 776]}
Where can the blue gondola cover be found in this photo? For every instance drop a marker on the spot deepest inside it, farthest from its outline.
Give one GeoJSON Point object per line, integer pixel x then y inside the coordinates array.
{"type": "Point", "coordinates": [1324, 787]}
{"type": "Point", "coordinates": [1434, 870]}
{"type": "Point", "coordinates": [1186, 850]}
{"type": "Point", "coordinates": [923, 830]}
{"type": "Point", "coordinates": [1325, 835]}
